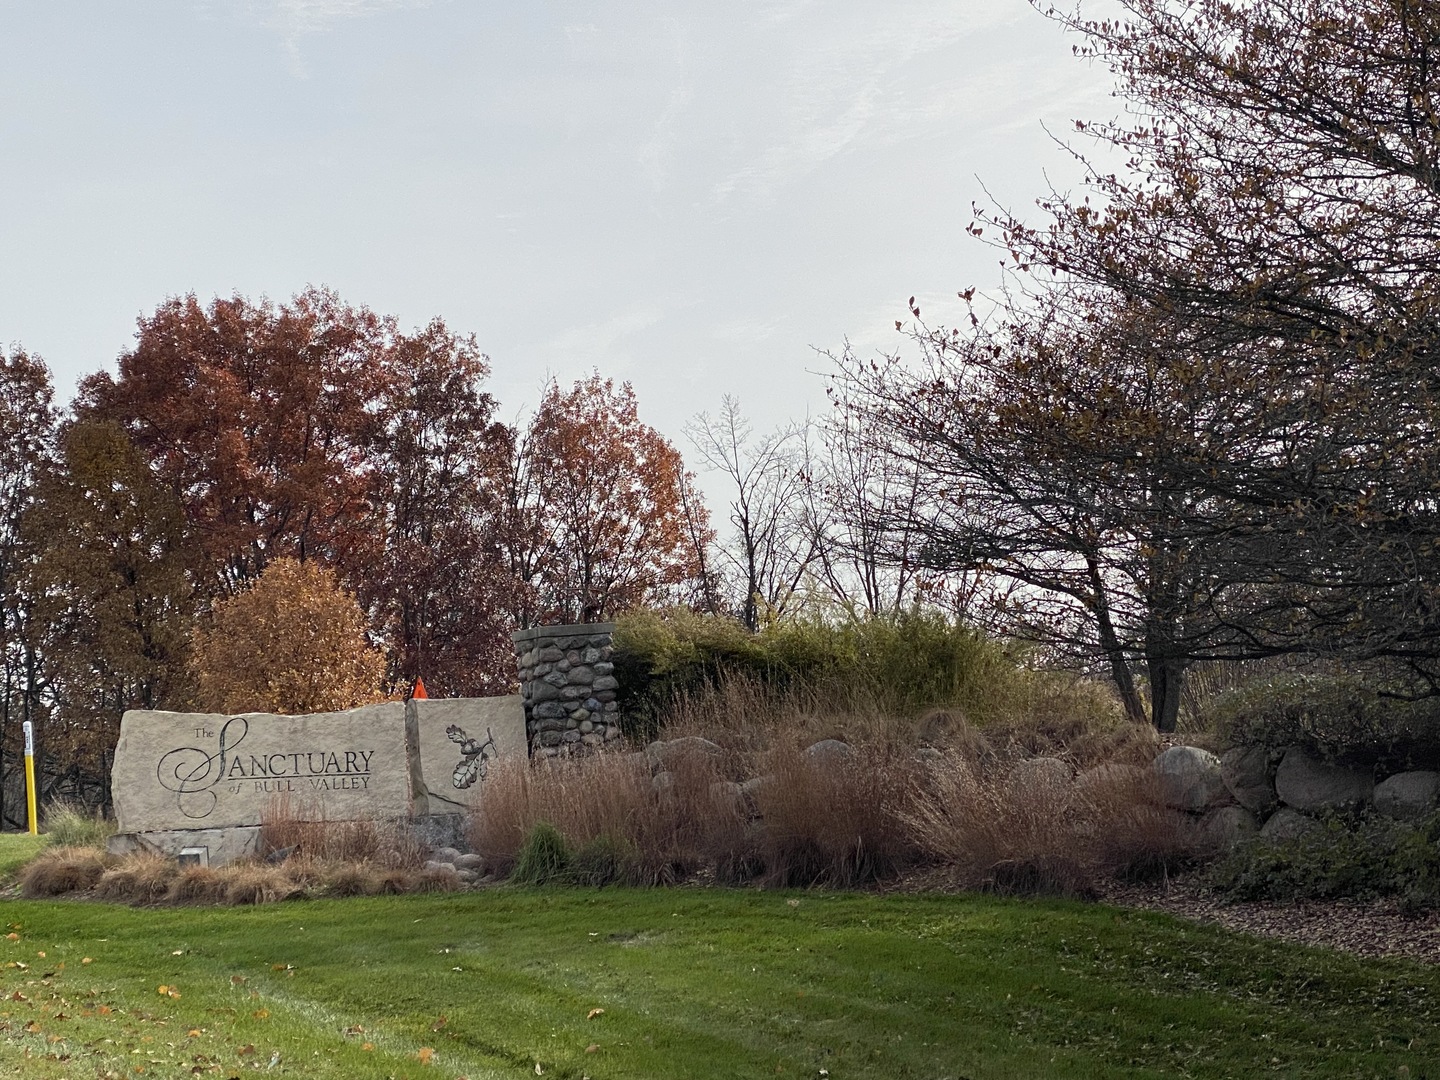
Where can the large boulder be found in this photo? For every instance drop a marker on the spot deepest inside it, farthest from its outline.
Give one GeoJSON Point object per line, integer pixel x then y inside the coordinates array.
{"type": "Point", "coordinates": [829, 752]}
{"type": "Point", "coordinates": [1287, 824]}
{"type": "Point", "coordinates": [756, 790]}
{"type": "Point", "coordinates": [1227, 826]}
{"type": "Point", "coordinates": [1408, 795]}
{"type": "Point", "coordinates": [1247, 772]}
{"type": "Point", "coordinates": [1041, 774]}
{"type": "Point", "coordinates": [666, 754]}
{"type": "Point", "coordinates": [1190, 778]}
{"type": "Point", "coordinates": [1309, 784]}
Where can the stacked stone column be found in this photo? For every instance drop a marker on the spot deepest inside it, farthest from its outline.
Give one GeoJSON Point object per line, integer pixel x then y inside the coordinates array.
{"type": "Point", "coordinates": [567, 681]}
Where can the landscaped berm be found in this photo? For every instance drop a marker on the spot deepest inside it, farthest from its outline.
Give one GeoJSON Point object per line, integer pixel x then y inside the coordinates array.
{"type": "Point", "coordinates": [803, 869]}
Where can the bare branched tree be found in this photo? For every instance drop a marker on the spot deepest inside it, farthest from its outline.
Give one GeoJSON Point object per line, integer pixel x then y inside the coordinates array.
{"type": "Point", "coordinates": [774, 540]}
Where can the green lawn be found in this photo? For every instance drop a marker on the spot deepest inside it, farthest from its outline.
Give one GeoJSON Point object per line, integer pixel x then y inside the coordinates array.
{"type": "Point", "coordinates": [16, 849]}
{"type": "Point", "coordinates": [693, 983]}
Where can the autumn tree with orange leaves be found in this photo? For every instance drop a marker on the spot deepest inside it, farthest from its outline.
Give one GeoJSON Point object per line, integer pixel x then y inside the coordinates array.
{"type": "Point", "coordinates": [293, 642]}
{"type": "Point", "coordinates": [318, 430]}
{"type": "Point", "coordinates": [600, 514]}
{"type": "Point", "coordinates": [259, 417]}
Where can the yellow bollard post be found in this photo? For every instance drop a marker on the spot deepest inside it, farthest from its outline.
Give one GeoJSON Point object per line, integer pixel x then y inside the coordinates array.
{"type": "Point", "coordinates": [29, 729]}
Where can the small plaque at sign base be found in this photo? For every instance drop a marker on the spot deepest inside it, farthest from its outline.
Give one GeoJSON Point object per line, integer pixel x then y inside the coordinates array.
{"type": "Point", "coordinates": [193, 856]}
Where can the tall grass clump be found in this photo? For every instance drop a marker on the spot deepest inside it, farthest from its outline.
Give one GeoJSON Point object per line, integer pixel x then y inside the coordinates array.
{"type": "Point", "coordinates": [904, 663]}
{"type": "Point", "coordinates": [69, 824]}
{"type": "Point", "coordinates": [544, 857]}
{"type": "Point", "coordinates": [795, 786]}
{"type": "Point", "coordinates": [610, 811]}
{"type": "Point", "coordinates": [60, 870]}
{"type": "Point", "coordinates": [1035, 830]}
{"type": "Point", "coordinates": [301, 828]}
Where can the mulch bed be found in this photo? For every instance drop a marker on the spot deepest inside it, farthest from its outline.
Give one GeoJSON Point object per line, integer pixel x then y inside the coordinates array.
{"type": "Point", "coordinates": [1367, 928]}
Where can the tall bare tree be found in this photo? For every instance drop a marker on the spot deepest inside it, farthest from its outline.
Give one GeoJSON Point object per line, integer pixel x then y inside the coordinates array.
{"type": "Point", "coordinates": [774, 540]}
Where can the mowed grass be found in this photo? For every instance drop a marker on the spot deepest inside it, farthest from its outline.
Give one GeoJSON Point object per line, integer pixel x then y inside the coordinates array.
{"type": "Point", "coordinates": [16, 849]}
{"type": "Point", "coordinates": [692, 983]}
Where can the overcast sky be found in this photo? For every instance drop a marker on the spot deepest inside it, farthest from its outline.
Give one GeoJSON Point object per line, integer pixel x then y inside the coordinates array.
{"type": "Point", "coordinates": [692, 197]}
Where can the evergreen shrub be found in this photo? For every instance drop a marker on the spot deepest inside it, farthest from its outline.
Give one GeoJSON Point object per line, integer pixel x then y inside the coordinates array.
{"type": "Point", "coordinates": [905, 663]}
{"type": "Point", "coordinates": [1363, 857]}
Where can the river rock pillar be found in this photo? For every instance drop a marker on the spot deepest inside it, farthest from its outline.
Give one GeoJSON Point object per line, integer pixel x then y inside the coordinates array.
{"type": "Point", "coordinates": [568, 685]}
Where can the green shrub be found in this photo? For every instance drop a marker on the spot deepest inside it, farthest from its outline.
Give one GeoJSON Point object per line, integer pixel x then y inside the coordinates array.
{"type": "Point", "coordinates": [903, 664]}
{"type": "Point", "coordinates": [1364, 858]}
{"type": "Point", "coordinates": [543, 858]}
{"type": "Point", "coordinates": [69, 824]}
{"type": "Point", "coordinates": [605, 860]}
{"type": "Point", "coordinates": [1356, 717]}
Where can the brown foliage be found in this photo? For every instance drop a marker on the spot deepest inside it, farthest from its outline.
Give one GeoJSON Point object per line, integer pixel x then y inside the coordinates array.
{"type": "Point", "coordinates": [257, 414]}
{"type": "Point", "coordinates": [598, 515]}
{"type": "Point", "coordinates": [27, 424]}
{"type": "Point", "coordinates": [440, 592]}
{"type": "Point", "coordinates": [112, 587]}
{"type": "Point", "coordinates": [57, 871]}
{"type": "Point", "coordinates": [294, 642]}
{"type": "Point", "coordinates": [142, 878]}
{"type": "Point", "coordinates": [302, 828]}
{"type": "Point", "coordinates": [316, 429]}
{"type": "Point", "coordinates": [257, 883]}
{"type": "Point", "coordinates": [196, 885]}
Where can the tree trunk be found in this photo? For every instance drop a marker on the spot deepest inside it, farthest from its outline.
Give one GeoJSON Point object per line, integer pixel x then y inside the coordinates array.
{"type": "Point", "coordinates": [1167, 677]}
{"type": "Point", "coordinates": [1114, 654]}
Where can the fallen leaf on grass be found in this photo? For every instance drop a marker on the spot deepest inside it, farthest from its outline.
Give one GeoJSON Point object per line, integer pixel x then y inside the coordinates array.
{"type": "Point", "coordinates": [592, 1048]}
{"type": "Point", "coordinates": [12, 936]}
{"type": "Point", "coordinates": [355, 1029]}
{"type": "Point", "coordinates": [237, 980]}
{"type": "Point", "coordinates": [261, 1014]}
{"type": "Point", "coordinates": [594, 1013]}
{"type": "Point", "coordinates": [86, 960]}
{"type": "Point", "coordinates": [425, 1054]}
{"type": "Point", "coordinates": [246, 1050]}
{"type": "Point", "coordinates": [438, 1024]}
{"type": "Point", "coordinates": [367, 1046]}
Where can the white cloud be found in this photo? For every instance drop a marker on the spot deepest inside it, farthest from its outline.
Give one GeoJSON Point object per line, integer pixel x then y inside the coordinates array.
{"type": "Point", "coordinates": [293, 20]}
{"type": "Point", "coordinates": [599, 345]}
{"type": "Point", "coordinates": [656, 154]}
{"type": "Point", "coordinates": [841, 85]}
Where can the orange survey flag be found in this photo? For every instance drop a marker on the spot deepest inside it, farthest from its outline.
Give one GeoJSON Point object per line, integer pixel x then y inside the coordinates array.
{"type": "Point", "coordinates": [418, 694]}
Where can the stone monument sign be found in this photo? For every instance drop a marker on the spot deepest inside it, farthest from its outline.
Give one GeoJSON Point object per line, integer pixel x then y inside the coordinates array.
{"type": "Point", "coordinates": [207, 770]}
{"type": "Point", "coordinates": [204, 782]}
{"type": "Point", "coordinates": [458, 740]}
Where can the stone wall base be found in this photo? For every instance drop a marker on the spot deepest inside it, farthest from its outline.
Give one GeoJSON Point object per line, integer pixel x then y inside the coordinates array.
{"type": "Point", "coordinates": [219, 846]}
{"type": "Point", "coordinates": [216, 847]}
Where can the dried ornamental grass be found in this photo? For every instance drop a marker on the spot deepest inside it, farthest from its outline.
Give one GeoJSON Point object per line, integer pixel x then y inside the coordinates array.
{"type": "Point", "coordinates": [196, 885]}
{"type": "Point", "coordinates": [255, 883]}
{"type": "Point", "coordinates": [140, 878]}
{"type": "Point", "coordinates": [57, 871]}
